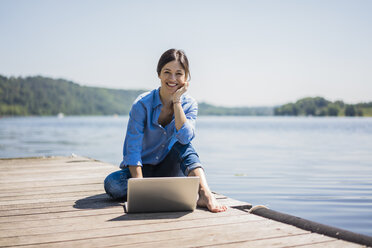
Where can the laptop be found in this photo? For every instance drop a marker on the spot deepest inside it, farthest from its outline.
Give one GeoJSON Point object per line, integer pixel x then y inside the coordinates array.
{"type": "Point", "coordinates": [162, 194]}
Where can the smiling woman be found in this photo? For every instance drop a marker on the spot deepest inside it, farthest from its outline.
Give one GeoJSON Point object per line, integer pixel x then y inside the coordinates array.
{"type": "Point", "coordinates": [160, 129]}
{"type": "Point", "coordinates": [174, 55]}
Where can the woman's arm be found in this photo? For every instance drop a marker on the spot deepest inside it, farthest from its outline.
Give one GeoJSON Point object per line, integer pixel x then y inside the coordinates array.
{"type": "Point", "coordinates": [185, 115]}
{"type": "Point", "coordinates": [133, 140]}
{"type": "Point", "coordinates": [135, 171]}
{"type": "Point", "coordinates": [179, 115]}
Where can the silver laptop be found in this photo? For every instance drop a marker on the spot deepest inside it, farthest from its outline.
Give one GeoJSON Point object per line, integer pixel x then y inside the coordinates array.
{"type": "Point", "coordinates": [162, 194]}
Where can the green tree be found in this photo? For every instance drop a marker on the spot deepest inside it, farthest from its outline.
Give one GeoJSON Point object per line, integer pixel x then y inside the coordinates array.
{"type": "Point", "coordinates": [46, 96]}
{"type": "Point", "coordinates": [332, 110]}
{"type": "Point", "coordinates": [310, 110]}
{"type": "Point", "coordinates": [340, 104]}
{"type": "Point", "coordinates": [350, 110]}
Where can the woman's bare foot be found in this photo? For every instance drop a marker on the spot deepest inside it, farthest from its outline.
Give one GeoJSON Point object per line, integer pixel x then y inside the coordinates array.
{"type": "Point", "coordinates": [206, 199]}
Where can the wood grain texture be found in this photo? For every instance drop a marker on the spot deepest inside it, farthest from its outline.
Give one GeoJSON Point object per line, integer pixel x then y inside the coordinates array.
{"type": "Point", "coordinates": [60, 202]}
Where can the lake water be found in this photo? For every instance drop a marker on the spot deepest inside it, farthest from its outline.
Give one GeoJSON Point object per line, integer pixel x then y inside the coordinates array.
{"type": "Point", "coordinates": [316, 168]}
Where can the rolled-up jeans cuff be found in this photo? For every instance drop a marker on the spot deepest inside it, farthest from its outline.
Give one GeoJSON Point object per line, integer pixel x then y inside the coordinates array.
{"type": "Point", "coordinates": [193, 167]}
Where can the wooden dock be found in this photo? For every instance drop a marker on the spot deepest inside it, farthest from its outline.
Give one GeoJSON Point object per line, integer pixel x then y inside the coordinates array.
{"type": "Point", "coordinates": [60, 202]}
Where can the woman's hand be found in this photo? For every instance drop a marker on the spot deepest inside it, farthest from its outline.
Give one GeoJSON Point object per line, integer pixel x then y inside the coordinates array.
{"type": "Point", "coordinates": [177, 95]}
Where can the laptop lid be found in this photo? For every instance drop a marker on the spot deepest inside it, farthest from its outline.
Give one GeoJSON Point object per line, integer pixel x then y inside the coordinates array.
{"type": "Point", "coordinates": [162, 194]}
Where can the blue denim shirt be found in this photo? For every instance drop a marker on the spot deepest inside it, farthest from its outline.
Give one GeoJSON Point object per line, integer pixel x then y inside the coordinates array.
{"type": "Point", "coordinates": [146, 141]}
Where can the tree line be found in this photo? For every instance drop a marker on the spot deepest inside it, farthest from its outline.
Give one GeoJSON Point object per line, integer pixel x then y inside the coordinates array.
{"type": "Point", "coordinates": [46, 96]}
{"type": "Point", "coordinates": [318, 106]}
{"type": "Point", "coordinates": [39, 95]}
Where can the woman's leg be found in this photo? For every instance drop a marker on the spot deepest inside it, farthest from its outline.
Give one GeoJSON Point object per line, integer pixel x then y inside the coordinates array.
{"type": "Point", "coordinates": [178, 162]}
{"type": "Point", "coordinates": [116, 184]}
{"type": "Point", "coordinates": [206, 198]}
{"type": "Point", "coordinates": [184, 160]}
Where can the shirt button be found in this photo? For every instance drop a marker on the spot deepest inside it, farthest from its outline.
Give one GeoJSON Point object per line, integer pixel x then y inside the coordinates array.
{"type": "Point", "coordinates": [162, 145]}
{"type": "Point", "coordinates": [157, 157]}
{"type": "Point", "coordinates": [165, 133]}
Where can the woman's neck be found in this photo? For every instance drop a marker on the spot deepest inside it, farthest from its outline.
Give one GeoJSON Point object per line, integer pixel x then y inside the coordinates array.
{"type": "Point", "coordinates": [165, 98]}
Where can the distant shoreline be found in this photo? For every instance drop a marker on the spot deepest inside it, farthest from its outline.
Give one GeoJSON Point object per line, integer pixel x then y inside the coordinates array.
{"type": "Point", "coordinates": [43, 96]}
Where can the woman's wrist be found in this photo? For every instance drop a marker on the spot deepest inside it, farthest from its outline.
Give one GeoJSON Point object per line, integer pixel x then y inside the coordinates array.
{"type": "Point", "coordinates": [135, 171]}
{"type": "Point", "coordinates": [176, 101]}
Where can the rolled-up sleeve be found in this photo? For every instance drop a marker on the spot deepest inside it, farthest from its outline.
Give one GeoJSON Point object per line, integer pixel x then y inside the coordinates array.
{"type": "Point", "coordinates": [134, 137]}
{"type": "Point", "coordinates": [187, 131]}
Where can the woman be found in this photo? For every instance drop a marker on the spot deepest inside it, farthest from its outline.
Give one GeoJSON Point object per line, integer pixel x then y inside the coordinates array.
{"type": "Point", "coordinates": [160, 128]}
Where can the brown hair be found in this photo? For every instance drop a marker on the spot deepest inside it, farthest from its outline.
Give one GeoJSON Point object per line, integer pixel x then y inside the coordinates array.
{"type": "Point", "coordinates": [171, 55]}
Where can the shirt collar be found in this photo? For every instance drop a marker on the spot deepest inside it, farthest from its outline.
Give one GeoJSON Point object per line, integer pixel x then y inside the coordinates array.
{"type": "Point", "coordinates": [157, 100]}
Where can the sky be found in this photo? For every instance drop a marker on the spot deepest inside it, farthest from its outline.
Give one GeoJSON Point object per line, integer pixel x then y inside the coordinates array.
{"type": "Point", "coordinates": [241, 53]}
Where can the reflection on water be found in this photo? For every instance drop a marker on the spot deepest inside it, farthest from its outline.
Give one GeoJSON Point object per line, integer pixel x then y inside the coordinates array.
{"type": "Point", "coordinates": [316, 168]}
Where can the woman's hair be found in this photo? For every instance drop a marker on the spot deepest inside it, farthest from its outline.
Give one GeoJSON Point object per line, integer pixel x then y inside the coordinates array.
{"type": "Point", "coordinates": [171, 55]}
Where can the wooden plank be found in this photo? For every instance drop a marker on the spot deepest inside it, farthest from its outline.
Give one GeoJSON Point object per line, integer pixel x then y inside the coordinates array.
{"type": "Point", "coordinates": [59, 176]}
{"type": "Point", "coordinates": [55, 209]}
{"type": "Point", "coordinates": [105, 228]}
{"type": "Point", "coordinates": [87, 202]}
{"type": "Point", "coordinates": [127, 234]}
{"type": "Point", "coordinates": [101, 201]}
{"type": "Point", "coordinates": [77, 194]}
{"type": "Point", "coordinates": [84, 223]}
{"type": "Point", "coordinates": [90, 202]}
{"type": "Point", "coordinates": [37, 184]}
{"type": "Point", "coordinates": [63, 222]}
{"type": "Point", "coordinates": [9, 221]}
{"type": "Point", "coordinates": [57, 215]}
{"type": "Point", "coordinates": [330, 244]}
{"type": "Point", "coordinates": [239, 239]}
{"type": "Point", "coordinates": [48, 190]}
{"type": "Point", "coordinates": [40, 219]}
{"type": "Point", "coordinates": [13, 176]}
{"type": "Point", "coordinates": [54, 195]}
{"type": "Point", "coordinates": [105, 219]}
{"type": "Point", "coordinates": [281, 241]}
{"type": "Point", "coordinates": [72, 197]}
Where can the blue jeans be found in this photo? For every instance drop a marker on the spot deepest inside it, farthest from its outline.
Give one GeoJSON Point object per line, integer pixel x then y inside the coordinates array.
{"type": "Point", "coordinates": [180, 160]}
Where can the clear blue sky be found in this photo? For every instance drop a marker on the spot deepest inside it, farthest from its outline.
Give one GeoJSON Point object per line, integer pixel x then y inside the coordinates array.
{"type": "Point", "coordinates": [242, 53]}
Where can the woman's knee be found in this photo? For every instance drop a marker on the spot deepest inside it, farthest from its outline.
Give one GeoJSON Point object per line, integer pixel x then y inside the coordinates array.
{"type": "Point", "coordinates": [116, 184]}
{"type": "Point", "coordinates": [192, 168]}
{"type": "Point", "coordinates": [189, 157]}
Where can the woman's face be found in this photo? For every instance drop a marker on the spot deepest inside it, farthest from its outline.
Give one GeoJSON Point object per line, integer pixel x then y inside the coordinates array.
{"type": "Point", "coordinates": [172, 76]}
